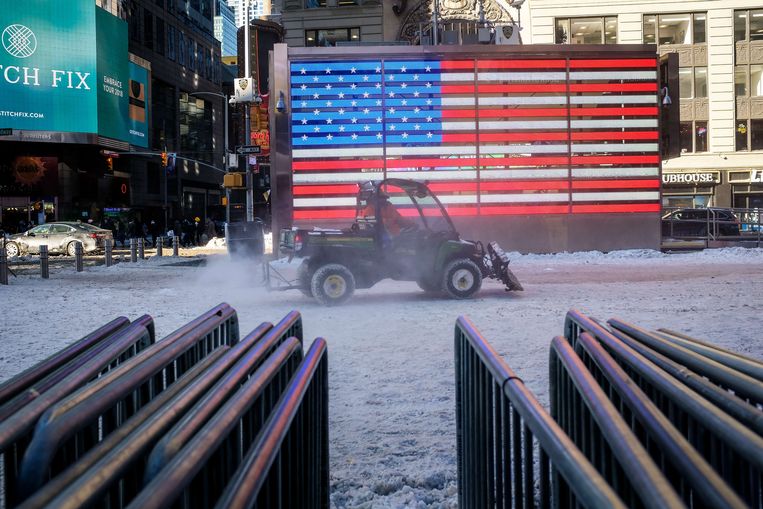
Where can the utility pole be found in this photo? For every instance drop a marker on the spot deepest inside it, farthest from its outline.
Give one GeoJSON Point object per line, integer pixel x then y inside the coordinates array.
{"type": "Point", "coordinates": [247, 120]}
{"type": "Point", "coordinates": [436, 23]}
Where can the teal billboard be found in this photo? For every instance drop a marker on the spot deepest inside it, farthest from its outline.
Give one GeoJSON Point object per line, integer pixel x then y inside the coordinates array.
{"type": "Point", "coordinates": [139, 94]}
{"type": "Point", "coordinates": [63, 68]}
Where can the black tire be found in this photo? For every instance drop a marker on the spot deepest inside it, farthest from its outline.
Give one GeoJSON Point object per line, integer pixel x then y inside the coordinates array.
{"type": "Point", "coordinates": [462, 278]}
{"type": "Point", "coordinates": [332, 284]}
{"type": "Point", "coordinates": [303, 280]}
{"type": "Point", "coordinates": [70, 247]}
{"type": "Point", "coordinates": [12, 249]}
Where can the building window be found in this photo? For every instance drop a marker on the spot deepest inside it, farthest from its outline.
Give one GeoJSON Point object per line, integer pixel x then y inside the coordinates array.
{"type": "Point", "coordinates": [181, 49]}
{"type": "Point", "coordinates": [160, 36]}
{"type": "Point", "coordinates": [749, 134]}
{"type": "Point", "coordinates": [133, 23]}
{"type": "Point", "coordinates": [329, 37]}
{"type": "Point", "coordinates": [171, 42]}
{"type": "Point", "coordinates": [748, 26]}
{"type": "Point", "coordinates": [692, 82]}
{"type": "Point", "coordinates": [671, 29]}
{"type": "Point", "coordinates": [693, 136]}
{"type": "Point", "coordinates": [148, 29]}
{"type": "Point", "coordinates": [311, 4]}
{"type": "Point", "coordinates": [586, 30]}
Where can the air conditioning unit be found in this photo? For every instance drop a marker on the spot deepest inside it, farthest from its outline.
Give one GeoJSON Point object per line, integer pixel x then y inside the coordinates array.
{"type": "Point", "coordinates": [507, 34]}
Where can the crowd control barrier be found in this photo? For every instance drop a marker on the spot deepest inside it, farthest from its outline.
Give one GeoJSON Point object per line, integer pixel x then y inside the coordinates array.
{"type": "Point", "coordinates": [511, 453]}
{"type": "Point", "coordinates": [733, 451]}
{"type": "Point", "coordinates": [110, 440]}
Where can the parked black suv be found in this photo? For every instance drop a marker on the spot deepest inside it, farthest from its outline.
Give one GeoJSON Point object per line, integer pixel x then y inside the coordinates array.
{"type": "Point", "coordinates": [700, 223]}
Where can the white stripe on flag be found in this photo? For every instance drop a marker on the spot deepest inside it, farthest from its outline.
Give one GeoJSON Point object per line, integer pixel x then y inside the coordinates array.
{"type": "Point", "coordinates": [325, 202]}
{"type": "Point", "coordinates": [311, 153]}
{"type": "Point", "coordinates": [457, 126]}
{"type": "Point", "coordinates": [522, 149]}
{"type": "Point", "coordinates": [519, 76]}
{"type": "Point", "coordinates": [435, 175]}
{"type": "Point", "coordinates": [457, 101]}
{"type": "Point", "coordinates": [523, 173]}
{"type": "Point", "coordinates": [424, 150]}
{"type": "Point", "coordinates": [614, 147]}
{"type": "Point", "coordinates": [616, 75]}
{"type": "Point", "coordinates": [523, 198]}
{"type": "Point", "coordinates": [616, 196]}
{"type": "Point", "coordinates": [457, 199]}
{"type": "Point", "coordinates": [583, 124]}
{"type": "Point", "coordinates": [499, 101]}
{"type": "Point", "coordinates": [615, 172]}
{"type": "Point", "coordinates": [335, 177]}
{"type": "Point", "coordinates": [521, 124]}
{"type": "Point", "coordinates": [614, 99]}
{"type": "Point", "coordinates": [454, 76]}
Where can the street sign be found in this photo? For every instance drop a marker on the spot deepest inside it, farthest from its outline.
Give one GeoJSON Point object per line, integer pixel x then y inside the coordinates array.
{"type": "Point", "coordinates": [6, 131]}
{"type": "Point", "coordinates": [249, 149]}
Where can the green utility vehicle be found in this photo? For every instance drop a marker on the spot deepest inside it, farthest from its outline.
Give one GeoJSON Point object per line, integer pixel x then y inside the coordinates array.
{"type": "Point", "coordinates": [422, 246]}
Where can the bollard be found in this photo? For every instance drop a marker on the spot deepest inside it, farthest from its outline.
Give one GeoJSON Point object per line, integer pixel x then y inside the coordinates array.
{"type": "Point", "coordinates": [133, 250]}
{"type": "Point", "coordinates": [142, 248]}
{"type": "Point", "coordinates": [107, 249]}
{"type": "Point", "coordinates": [44, 267]}
{"type": "Point", "coordinates": [3, 265]}
{"type": "Point", "coordinates": [159, 246]}
{"type": "Point", "coordinates": [78, 256]}
{"type": "Point", "coordinates": [175, 245]}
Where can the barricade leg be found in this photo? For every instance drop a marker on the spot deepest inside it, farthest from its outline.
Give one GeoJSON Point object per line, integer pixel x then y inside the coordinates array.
{"type": "Point", "coordinates": [108, 247]}
{"type": "Point", "coordinates": [78, 257]}
{"type": "Point", "coordinates": [142, 248]}
{"type": "Point", "coordinates": [133, 250]}
{"type": "Point", "coordinates": [3, 265]}
{"type": "Point", "coordinates": [175, 245]}
{"type": "Point", "coordinates": [159, 246]}
{"type": "Point", "coordinates": [44, 267]}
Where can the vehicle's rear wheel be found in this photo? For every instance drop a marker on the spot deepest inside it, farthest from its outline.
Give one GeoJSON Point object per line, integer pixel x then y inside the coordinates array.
{"type": "Point", "coordinates": [71, 247]}
{"type": "Point", "coordinates": [332, 284]}
{"type": "Point", "coordinates": [303, 280]}
{"type": "Point", "coordinates": [11, 249]}
{"type": "Point", "coordinates": [462, 279]}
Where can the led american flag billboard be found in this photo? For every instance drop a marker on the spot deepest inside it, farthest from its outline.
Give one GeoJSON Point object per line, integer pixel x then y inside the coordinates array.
{"type": "Point", "coordinates": [490, 136]}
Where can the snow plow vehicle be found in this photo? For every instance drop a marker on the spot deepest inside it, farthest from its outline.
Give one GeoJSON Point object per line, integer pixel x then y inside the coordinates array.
{"type": "Point", "coordinates": [402, 232]}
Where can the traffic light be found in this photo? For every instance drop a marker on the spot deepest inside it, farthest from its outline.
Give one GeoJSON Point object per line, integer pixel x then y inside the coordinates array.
{"type": "Point", "coordinates": [164, 159]}
{"type": "Point", "coordinates": [110, 163]}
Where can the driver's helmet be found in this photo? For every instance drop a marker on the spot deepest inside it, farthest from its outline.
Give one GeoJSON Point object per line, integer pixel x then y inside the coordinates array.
{"type": "Point", "coordinates": [367, 191]}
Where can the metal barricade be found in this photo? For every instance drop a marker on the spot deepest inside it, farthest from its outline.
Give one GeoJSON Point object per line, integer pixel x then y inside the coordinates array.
{"type": "Point", "coordinates": [744, 386]}
{"type": "Point", "coordinates": [288, 465]}
{"type": "Point", "coordinates": [21, 413]}
{"type": "Point", "coordinates": [113, 471]}
{"type": "Point", "coordinates": [732, 450]}
{"type": "Point", "coordinates": [746, 365]}
{"type": "Point", "coordinates": [197, 475]}
{"type": "Point", "coordinates": [510, 450]}
{"type": "Point", "coordinates": [619, 443]}
{"type": "Point", "coordinates": [76, 424]}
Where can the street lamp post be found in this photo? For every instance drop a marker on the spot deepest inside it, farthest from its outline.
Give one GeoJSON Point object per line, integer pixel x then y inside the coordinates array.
{"type": "Point", "coordinates": [226, 101]}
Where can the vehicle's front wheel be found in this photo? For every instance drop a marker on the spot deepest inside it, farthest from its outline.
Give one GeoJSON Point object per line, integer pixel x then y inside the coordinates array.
{"type": "Point", "coordinates": [11, 249]}
{"type": "Point", "coordinates": [332, 284]}
{"type": "Point", "coordinates": [462, 279]}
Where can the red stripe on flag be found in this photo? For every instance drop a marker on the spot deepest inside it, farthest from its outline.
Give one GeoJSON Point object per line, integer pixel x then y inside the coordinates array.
{"type": "Point", "coordinates": [540, 88]}
{"type": "Point", "coordinates": [460, 137]}
{"type": "Point", "coordinates": [615, 159]}
{"type": "Point", "coordinates": [615, 135]}
{"type": "Point", "coordinates": [620, 207]}
{"type": "Point", "coordinates": [454, 210]}
{"type": "Point", "coordinates": [431, 162]}
{"type": "Point", "coordinates": [484, 136]}
{"type": "Point", "coordinates": [457, 89]}
{"type": "Point", "coordinates": [523, 161]}
{"type": "Point", "coordinates": [530, 185]}
{"type": "Point", "coordinates": [320, 189]}
{"type": "Point", "coordinates": [521, 64]}
{"type": "Point", "coordinates": [523, 112]}
{"type": "Point", "coordinates": [522, 210]}
{"type": "Point", "coordinates": [457, 113]}
{"type": "Point", "coordinates": [613, 87]}
{"type": "Point", "coordinates": [324, 214]}
{"type": "Point", "coordinates": [614, 112]}
{"type": "Point", "coordinates": [457, 64]}
{"type": "Point", "coordinates": [613, 64]}
{"type": "Point", "coordinates": [616, 184]}
{"type": "Point", "coordinates": [337, 165]}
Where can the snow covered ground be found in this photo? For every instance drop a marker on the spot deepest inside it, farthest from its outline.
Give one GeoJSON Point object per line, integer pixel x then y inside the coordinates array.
{"type": "Point", "coordinates": [391, 376]}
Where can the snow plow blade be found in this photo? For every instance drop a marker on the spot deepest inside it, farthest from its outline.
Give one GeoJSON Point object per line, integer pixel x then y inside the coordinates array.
{"type": "Point", "coordinates": [499, 267]}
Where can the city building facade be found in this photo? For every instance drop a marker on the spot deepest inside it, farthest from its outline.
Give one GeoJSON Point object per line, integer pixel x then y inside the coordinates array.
{"type": "Point", "coordinates": [720, 53]}
{"type": "Point", "coordinates": [225, 28]}
{"type": "Point", "coordinates": [331, 22]}
{"type": "Point", "coordinates": [257, 9]}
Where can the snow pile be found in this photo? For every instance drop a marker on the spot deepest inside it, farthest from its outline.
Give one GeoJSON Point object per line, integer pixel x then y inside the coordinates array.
{"type": "Point", "coordinates": [391, 382]}
{"type": "Point", "coordinates": [216, 242]}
